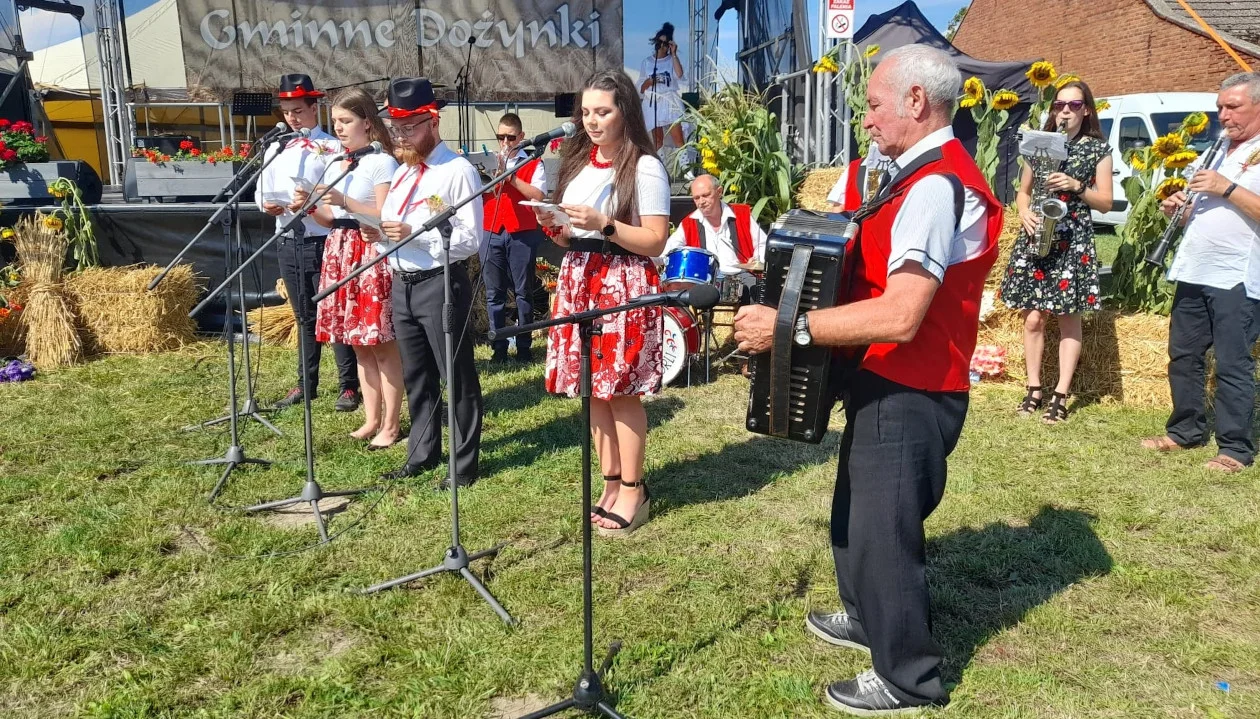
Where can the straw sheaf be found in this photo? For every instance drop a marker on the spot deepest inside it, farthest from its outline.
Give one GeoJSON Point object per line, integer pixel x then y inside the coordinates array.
{"type": "Point", "coordinates": [813, 192]}
{"type": "Point", "coordinates": [120, 315]}
{"type": "Point", "coordinates": [47, 319]}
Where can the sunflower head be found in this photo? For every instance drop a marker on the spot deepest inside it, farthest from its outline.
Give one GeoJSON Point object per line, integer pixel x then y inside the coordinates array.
{"type": "Point", "coordinates": [7, 233]}
{"type": "Point", "coordinates": [1168, 145]}
{"type": "Point", "coordinates": [967, 102]}
{"type": "Point", "coordinates": [1181, 160]}
{"type": "Point", "coordinates": [1005, 100]}
{"type": "Point", "coordinates": [1136, 161]}
{"type": "Point", "coordinates": [1042, 74]}
{"type": "Point", "coordinates": [1102, 105]}
{"type": "Point", "coordinates": [1195, 123]}
{"type": "Point", "coordinates": [1169, 187]}
{"type": "Point", "coordinates": [974, 88]}
{"type": "Point", "coordinates": [1065, 79]}
{"type": "Point", "coordinates": [871, 51]}
{"type": "Point", "coordinates": [53, 222]}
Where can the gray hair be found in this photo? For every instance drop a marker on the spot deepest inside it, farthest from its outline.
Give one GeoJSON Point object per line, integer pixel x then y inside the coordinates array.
{"type": "Point", "coordinates": [712, 180]}
{"type": "Point", "coordinates": [931, 69]}
{"type": "Point", "coordinates": [1250, 79]}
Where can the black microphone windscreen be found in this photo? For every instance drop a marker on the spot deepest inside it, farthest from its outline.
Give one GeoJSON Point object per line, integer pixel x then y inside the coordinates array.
{"type": "Point", "coordinates": [701, 296]}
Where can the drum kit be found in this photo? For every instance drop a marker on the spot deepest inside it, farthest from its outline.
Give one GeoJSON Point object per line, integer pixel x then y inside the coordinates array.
{"type": "Point", "coordinates": [684, 334]}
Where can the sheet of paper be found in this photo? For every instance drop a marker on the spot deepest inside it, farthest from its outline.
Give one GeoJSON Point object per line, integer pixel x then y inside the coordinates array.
{"type": "Point", "coordinates": [367, 220]}
{"type": "Point", "coordinates": [558, 215]}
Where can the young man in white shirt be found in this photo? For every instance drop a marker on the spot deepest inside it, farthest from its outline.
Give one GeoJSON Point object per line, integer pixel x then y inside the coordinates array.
{"type": "Point", "coordinates": [431, 178]}
{"type": "Point", "coordinates": [511, 249]}
{"type": "Point", "coordinates": [301, 253]}
{"type": "Point", "coordinates": [1217, 301]}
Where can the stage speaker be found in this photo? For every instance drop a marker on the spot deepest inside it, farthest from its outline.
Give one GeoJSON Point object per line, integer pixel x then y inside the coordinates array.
{"type": "Point", "coordinates": [564, 104]}
{"type": "Point", "coordinates": [692, 99]}
{"type": "Point", "coordinates": [166, 144]}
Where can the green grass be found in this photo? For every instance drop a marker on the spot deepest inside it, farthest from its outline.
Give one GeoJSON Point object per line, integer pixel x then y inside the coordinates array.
{"type": "Point", "coordinates": [1107, 243]}
{"type": "Point", "coordinates": [1072, 575]}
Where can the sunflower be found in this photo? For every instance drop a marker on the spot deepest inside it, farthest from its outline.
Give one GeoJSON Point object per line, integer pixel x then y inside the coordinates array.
{"type": "Point", "coordinates": [7, 233]}
{"type": "Point", "coordinates": [1065, 79]}
{"type": "Point", "coordinates": [1102, 105]}
{"type": "Point", "coordinates": [872, 51]}
{"type": "Point", "coordinates": [1168, 145]}
{"type": "Point", "coordinates": [1180, 160]}
{"type": "Point", "coordinates": [967, 102]}
{"type": "Point", "coordinates": [1169, 187]}
{"type": "Point", "coordinates": [1195, 123]}
{"type": "Point", "coordinates": [973, 89]}
{"type": "Point", "coordinates": [1005, 100]}
{"type": "Point", "coordinates": [1042, 74]}
{"type": "Point", "coordinates": [826, 64]}
{"type": "Point", "coordinates": [53, 223]}
{"type": "Point", "coordinates": [1136, 162]}
{"type": "Point", "coordinates": [708, 158]}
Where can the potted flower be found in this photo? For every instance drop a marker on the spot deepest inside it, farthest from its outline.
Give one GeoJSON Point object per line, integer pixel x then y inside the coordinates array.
{"type": "Point", "coordinates": [189, 173]}
{"type": "Point", "coordinates": [26, 174]}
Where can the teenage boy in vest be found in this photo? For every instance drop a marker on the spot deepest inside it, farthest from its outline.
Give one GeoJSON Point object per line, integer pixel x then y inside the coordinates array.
{"type": "Point", "coordinates": [912, 317]}
{"type": "Point", "coordinates": [511, 248]}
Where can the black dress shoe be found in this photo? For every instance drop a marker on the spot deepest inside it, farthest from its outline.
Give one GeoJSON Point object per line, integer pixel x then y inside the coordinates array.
{"type": "Point", "coordinates": [836, 629]}
{"type": "Point", "coordinates": [525, 356]}
{"type": "Point", "coordinates": [409, 470]}
{"type": "Point", "coordinates": [499, 356]}
{"type": "Point", "coordinates": [867, 695]}
{"type": "Point", "coordinates": [348, 401]}
{"type": "Point", "coordinates": [464, 482]}
{"type": "Point", "coordinates": [293, 397]}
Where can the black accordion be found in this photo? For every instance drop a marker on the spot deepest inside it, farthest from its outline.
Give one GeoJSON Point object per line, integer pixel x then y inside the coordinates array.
{"type": "Point", "coordinates": [793, 387]}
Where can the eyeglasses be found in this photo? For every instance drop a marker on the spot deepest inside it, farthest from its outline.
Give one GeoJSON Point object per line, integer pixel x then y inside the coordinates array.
{"type": "Point", "coordinates": [505, 138]}
{"type": "Point", "coordinates": [405, 130]}
{"type": "Point", "coordinates": [1073, 105]}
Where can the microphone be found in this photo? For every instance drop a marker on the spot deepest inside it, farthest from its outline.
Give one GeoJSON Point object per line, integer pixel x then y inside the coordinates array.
{"type": "Point", "coordinates": [566, 130]}
{"type": "Point", "coordinates": [701, 297]}
{"type": "Point", "coordinates": [279, 128]}
{"type": "Point", "coordinates": [372, 149]}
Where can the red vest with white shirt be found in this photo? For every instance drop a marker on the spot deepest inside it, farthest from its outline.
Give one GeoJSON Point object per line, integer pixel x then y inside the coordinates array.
{"type": "Point", "coordinates": [503, 211]}
{"type": "Point", "coordinates": [743, 232]}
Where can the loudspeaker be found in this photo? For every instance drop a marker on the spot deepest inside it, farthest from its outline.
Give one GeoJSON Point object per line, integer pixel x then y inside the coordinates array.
{"type": "Point", "coordinates": [692, 99]}
{"type": "Point", "coordinates": [564, 104]}
{"type": "Point", "coordinates": [166, 144]}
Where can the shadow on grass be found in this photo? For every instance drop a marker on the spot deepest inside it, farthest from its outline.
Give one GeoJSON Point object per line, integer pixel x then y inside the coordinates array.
{"type": "Point", "coordinates": [986, 580]}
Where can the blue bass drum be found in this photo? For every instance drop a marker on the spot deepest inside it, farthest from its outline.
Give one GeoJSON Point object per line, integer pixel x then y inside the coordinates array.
{"type": "Point", "coordinates": [687, 266]}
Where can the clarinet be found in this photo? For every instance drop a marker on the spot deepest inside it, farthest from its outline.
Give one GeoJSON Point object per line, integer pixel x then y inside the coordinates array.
{"type": "Point", "coordinates": [1175, 228]}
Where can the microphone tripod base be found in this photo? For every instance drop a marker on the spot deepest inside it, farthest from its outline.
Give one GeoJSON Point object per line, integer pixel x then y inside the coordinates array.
{"type": "Point", "coordinates": [251, 410]}
{"type": "Point", "coordinates": [455, 560]}
{"type": "Point", "coordinates": [233, 458]}
{"type": "Point", "coordinates": [588, 694]}
{"type": "Point", "coordinates": [311, 494]}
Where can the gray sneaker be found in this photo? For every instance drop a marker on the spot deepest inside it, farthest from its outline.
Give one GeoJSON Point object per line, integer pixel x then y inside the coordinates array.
{"type": "Point", "coordinates": [835, 629]}
{"type": "Point", "coordinates": [866, 695]}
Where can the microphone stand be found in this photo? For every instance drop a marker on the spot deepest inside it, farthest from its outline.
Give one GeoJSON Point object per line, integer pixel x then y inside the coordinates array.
{"type": "Point", "coordinates": [457, 558]}
{"type": "Point", "coordinates": [311, 492]}
{"type": "Point", "coordinates": [589, 694]}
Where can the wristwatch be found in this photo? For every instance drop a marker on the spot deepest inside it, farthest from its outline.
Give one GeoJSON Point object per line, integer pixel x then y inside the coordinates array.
{"type": "Point", "coordinates": [1229, 190]}
{"type": "Point", "coordinates": [801, 335]}
{"type": "Point", "coordinates": [610, 229]}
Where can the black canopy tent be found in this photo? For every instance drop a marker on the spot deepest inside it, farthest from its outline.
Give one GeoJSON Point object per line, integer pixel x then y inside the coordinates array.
{"type": "Point", "coordinates": [906, 25]}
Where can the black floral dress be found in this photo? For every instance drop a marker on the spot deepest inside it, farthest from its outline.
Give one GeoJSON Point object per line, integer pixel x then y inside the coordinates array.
{"type": "Point", "coordinates": [1065, 281]}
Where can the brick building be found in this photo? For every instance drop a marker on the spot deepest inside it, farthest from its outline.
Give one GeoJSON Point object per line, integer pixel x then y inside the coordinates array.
{"type": "Point", "coordinates": [1118, 46]}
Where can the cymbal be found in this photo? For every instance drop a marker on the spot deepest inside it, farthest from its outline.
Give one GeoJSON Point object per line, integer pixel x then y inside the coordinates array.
{"type": "Point", "coordinates": [754, 266]}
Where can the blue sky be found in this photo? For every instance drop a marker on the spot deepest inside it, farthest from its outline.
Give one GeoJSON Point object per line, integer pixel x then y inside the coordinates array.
{"type": "Point", "coordinates": [43, 28]}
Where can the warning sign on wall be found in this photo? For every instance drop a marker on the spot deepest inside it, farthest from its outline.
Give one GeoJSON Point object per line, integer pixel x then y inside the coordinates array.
{"type": "Point", "coordinates": [838, 16]}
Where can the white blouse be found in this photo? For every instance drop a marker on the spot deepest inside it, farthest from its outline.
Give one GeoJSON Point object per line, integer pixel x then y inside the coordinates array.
{"type": "Point", "coordinates": [373, 170]}
{"type": "Point", "coordinates": [593, 187]}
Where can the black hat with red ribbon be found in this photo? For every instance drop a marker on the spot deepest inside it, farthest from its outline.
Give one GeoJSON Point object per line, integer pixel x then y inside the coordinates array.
{"type": "Point", "coordinates": [411, 97]}
{"type": "Point", "coordinates": [297, 86]}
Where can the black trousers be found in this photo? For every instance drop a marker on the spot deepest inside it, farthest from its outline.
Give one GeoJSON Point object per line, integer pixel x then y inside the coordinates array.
{"type": "Point", "coordinates": [507, 262]}
{"type": "Point", "coordinates": [418, 329]}
{"type": "Point", "coordinates": [300, 260]}
{"type": "Point", "coordinates": [890, 478]}
{"type": "Point", "coordinates": [1225, 320]}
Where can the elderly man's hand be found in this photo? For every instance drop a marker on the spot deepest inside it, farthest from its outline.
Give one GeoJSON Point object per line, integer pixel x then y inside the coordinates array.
{"type": "Point", "coordinates": [754, 328]}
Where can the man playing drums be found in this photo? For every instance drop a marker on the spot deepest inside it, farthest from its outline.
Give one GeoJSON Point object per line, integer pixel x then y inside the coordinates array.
{"type": "Point", "coordinates": [728, 232]}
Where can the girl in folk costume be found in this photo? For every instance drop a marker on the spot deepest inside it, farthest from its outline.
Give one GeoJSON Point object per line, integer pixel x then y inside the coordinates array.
{"type": "Point", "coordinates": [616, 194]}
{"type": "Point", "coordinates": [359, 314]}
{"type": "Point", "coordinates": [1064, 283]}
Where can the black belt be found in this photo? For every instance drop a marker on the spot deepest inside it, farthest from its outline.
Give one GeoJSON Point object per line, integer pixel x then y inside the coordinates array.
{"type": "Point", "coordinates": [598, 247]}
{"type": "Point", "coordinates": [306, 239]}
{"type": "Point", "coordinates": [413, 277]}
{"type": "Point", "coordinates": [345, 223]}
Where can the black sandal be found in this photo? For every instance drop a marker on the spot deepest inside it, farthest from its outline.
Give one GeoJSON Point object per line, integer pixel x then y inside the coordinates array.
{"type": "Point", "coordinates": [600, 511]}
{"type": "Point", "coordinates": [1057, 411]}
{"type": "Point", "coordinates": [1031, 404]}
{"type": "Point", "coordinates": [626, 527]}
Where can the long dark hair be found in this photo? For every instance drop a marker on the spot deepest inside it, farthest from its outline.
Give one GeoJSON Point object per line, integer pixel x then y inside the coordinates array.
{"type": "Point", "coordinates": [1090, 126]}
{"type": "Point", "coordinates": [575, 153]}
{"type": "Point", "coordinates": [358, 101]}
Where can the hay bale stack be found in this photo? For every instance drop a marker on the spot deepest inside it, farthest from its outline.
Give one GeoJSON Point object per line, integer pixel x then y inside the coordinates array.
{"type": "Point", "coordinates": [51, 337]}
{"type": "Point", "coordinates": [120, 315]}
{"type": "Point", "coordinates": [1006, 243]}
{"type": "Point", "coordinates": [275, 325]}
{"type": "Point", "coordinates": [813, 192]}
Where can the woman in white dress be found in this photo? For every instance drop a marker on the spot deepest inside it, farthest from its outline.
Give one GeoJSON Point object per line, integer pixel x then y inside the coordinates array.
{"type": "Point", "coordinates": [660, 80]}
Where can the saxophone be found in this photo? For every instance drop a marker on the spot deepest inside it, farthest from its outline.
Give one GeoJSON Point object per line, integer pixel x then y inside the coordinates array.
{"type": "Point", "coordinates": [1049, 207]}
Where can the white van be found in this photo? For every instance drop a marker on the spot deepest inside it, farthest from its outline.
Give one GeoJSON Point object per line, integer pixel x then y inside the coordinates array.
{"type": "Point", "coordinates": [1135, 121]}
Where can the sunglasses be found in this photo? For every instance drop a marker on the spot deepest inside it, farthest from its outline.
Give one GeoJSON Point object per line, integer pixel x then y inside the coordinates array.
{"type": "Point", "coordinates": [1073, 105]}
{"type": "Point", "coordinates": [504, 138]}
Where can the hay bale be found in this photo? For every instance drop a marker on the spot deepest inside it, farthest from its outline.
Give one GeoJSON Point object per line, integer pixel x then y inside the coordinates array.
{"type": "Point", "coordinates": [275, 325]}
{"type": "Point", "coordinates": [1006, 243]}
{"type": "Point", "coordinates": [120, 315]}
{"type": "Point", "coordinates": [813, 192]}
{"type": "Point", "coordinates": [51, 337]}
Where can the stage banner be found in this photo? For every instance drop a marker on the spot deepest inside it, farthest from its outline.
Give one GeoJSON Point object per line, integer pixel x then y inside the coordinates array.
{"type": "Point", "coordinates": [514, 49]}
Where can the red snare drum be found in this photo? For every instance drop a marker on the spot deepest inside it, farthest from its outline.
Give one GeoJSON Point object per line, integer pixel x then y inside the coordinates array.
{"type": "Point", "coordinates": [682, 339]}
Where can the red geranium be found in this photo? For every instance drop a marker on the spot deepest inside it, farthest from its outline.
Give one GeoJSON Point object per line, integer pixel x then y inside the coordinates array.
{"type": "Point", "coordinates": [41, 138]}
{"type": "Point", "coordinates": [186, 145]}
{"type": "Point", "coordinates": [227, 151]}
{"type": "Point", "coordinates": [8, 155]}
{"type": "Point", "coordinates": [4, 124]}
{"type": "Point", "coordinates": [1063, 284]}
{"type": "Point", "coordinates": [1038, 275]}
{"type": "Point", "coordinates": [195, 152]}
{"type": "Point", "coordinates": [23, 126]}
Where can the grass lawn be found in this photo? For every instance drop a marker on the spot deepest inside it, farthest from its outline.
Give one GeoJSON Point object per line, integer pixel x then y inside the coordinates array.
{"type": "Point", "coordinates": [1072, 575]}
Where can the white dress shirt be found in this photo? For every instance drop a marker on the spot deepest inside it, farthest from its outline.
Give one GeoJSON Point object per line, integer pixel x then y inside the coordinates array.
{"type": "Point", "coordinates": [720, 240]}
{"type": "Point", "coordinates": [924, 230]}
{"type": "Point", "coordinates": [451, 178]}
{"type": "Point", "coordinates": [372, 170]}
{"type": "Point", "coordinates": [302, 157]}
{"type": "Point", "coordinates": [1221, 247]}
{"type": "Point", "coordinates": [874, 158]}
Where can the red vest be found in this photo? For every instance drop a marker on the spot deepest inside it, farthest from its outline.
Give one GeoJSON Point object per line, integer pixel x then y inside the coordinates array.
{"type": "Point", "coordinates": [852, 194]}
{"type": "Point", "coordinates": [938, 359]}
{"type": "Point", "coordinates": [743, 232]}
{"type": "Point", "coordinates": [503, 212]}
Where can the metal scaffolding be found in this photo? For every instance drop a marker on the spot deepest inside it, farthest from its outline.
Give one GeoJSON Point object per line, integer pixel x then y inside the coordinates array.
{"type": "Point", "coordinates": [115, 81]}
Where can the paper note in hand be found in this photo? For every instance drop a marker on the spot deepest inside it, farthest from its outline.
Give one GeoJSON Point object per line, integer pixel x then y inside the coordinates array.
{"type": "Point", "coordinates": [558, 215]}
{"type": "Point", "coordinates": [304, 183]}
{"type": "Point", "coordinates": [283, 199]}
{"type": "Point", "coordinates": [366, 220]}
